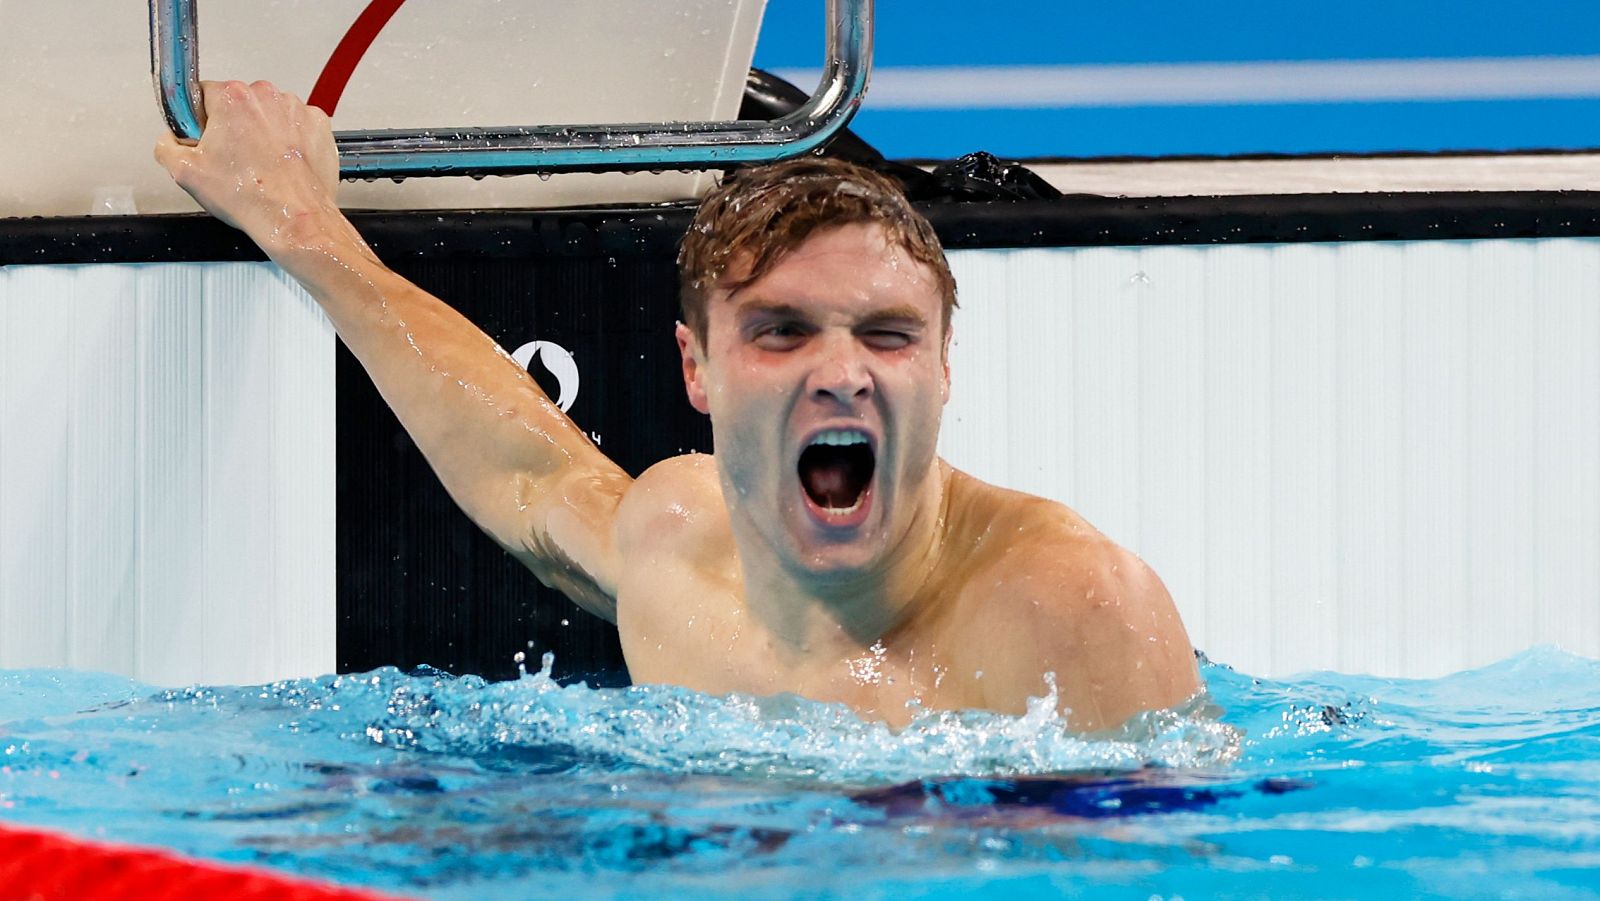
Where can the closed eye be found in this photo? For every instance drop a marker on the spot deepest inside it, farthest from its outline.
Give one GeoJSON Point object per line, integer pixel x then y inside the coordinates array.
{"type": "Point", "coordinates": [780, 336]}
{"type": "Point", "coordinates": [888, 339]}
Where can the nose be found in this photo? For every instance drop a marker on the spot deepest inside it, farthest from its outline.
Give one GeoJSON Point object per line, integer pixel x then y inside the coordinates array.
{"type": "Point", "coordinates": [841, 374]}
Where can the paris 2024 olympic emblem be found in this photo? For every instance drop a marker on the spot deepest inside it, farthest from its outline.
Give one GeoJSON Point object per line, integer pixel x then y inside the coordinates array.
{"type": "Point", "coordinates": [556, 360]}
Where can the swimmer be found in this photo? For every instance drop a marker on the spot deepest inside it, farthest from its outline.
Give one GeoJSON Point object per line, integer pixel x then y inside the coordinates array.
{"type": "Point", "coordinates": [823, 549]}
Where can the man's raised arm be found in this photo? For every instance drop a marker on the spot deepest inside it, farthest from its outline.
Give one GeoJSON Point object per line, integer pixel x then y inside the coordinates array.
{"type": "Point", "coordinates": [513, 461]}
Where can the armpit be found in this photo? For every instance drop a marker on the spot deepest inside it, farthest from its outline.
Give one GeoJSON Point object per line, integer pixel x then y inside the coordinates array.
{"type": "Point", "coordinates": [571, 541]}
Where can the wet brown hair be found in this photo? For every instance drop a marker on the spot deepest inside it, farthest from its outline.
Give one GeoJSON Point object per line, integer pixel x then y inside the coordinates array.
{"type": "Point", "coordinates": [759, 215]}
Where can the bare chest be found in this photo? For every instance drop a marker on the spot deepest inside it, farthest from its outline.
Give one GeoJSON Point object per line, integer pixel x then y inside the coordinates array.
{"type": "Point", "coordinates": [698, 632]}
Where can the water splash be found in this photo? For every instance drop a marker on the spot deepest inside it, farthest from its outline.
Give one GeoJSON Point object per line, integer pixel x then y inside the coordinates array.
{"type": "Point", "coordinates": [669, 729]}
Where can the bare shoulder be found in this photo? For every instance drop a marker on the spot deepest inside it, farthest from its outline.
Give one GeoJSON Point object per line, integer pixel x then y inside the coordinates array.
{"type": "Point", "coordinates": [678, 563]}
{"type": "Point", "coordinates": [1075, 603]}
{"type": "Point", "coordinates": [1054, 560]}
{"type": "Point", "coordinates": [1019, 538]}
{"type": "Point", "coordinates": [677, 502]}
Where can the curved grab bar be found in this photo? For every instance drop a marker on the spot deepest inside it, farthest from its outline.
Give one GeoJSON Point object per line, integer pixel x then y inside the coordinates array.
{"type": "Point", "coordinates": [399, 153]}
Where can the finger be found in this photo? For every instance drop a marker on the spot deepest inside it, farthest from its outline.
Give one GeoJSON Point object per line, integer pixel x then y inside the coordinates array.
{"type": "Point", "coordinates": [317, 118]}
{"type": "Point", "coordinates": [173, 155]}
{"type": "Point", "coordinates": [217, 94]}
{"type": "Point", "coordinates": [215, 99]}
{"type": "Point", "coordinates": [266, 91]}
{"type": "Point", "coordinates": [292, 106]}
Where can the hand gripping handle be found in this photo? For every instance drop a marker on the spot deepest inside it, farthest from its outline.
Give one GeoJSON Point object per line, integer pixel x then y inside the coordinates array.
{"type": "Point", "coordinates": [509, 150]}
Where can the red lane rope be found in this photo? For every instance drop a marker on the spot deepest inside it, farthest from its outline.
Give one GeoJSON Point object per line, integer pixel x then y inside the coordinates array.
{"type": "Point", "coordinates": [336, 74]}
{"type": "Point", "coordinates": [44, 866]}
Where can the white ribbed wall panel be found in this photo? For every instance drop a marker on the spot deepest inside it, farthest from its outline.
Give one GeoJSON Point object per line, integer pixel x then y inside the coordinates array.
{"type": "Point", "coordinates": [166, 472]}
{"type": "Point", "coordinates": [1370, 457]}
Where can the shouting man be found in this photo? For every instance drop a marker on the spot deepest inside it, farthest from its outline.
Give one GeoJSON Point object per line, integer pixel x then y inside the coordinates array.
{"type": "Point", "coordinates": [823, 549]}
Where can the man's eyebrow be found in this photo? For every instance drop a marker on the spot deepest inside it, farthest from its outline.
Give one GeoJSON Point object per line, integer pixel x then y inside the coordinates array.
{"type": "Point", "coordinates": [759, 307]}
{"type": "Point", "coordinates": [900, 315]}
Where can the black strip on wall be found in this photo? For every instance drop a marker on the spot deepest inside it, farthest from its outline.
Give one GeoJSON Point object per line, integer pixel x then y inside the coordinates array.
{"type": "Point", "coordinates": [1072, 221]}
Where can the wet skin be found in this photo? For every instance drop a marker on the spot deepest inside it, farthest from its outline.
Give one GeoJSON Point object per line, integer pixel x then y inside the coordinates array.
{"type": "Point", "coordinates": [721, 572]}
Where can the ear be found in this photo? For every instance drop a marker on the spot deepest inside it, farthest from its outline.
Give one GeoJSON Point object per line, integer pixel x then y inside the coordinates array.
{"type": "Point", "coordinates": [693, 370]}
{"type": "Point", "coordinates": [944, 360]}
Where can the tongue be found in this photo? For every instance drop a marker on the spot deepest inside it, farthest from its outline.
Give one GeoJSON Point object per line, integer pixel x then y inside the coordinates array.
{"type": "Point", "coordinates": [830, 486]}
{"type": "Point", "coordinates": [836, 476]}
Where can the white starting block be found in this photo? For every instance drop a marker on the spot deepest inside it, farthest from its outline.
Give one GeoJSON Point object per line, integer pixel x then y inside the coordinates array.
{"type": "Point", "coordinates": [84, 115]}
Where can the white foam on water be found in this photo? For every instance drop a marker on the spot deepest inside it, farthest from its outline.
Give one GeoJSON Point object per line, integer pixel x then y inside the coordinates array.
{"type": "Point", "coordinates": [674, 729]}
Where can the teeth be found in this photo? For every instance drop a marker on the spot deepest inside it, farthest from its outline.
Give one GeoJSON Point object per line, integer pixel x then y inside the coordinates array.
{"type": "Point", "coordinates": [845, 511]}
{"type": "Point", "coordinates": [840, 437]}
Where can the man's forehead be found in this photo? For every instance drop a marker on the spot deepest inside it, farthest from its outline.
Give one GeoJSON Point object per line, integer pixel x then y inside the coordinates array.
{"type": "Point", "coordinates": [857, 263]}
{"type": "Point", "coordinates": [854, 238]}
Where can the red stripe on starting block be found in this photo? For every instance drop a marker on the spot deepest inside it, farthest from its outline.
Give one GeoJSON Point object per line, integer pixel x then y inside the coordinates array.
{"type": "Point", "coordinates": [336, 74]}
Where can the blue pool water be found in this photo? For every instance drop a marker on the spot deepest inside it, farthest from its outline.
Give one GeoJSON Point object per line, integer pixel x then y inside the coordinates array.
{"type": "Point", "coordinates": [1485, 783]}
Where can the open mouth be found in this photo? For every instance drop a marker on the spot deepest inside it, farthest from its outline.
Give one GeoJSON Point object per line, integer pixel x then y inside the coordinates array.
{"type": "Point", "coordinates": [836, 469]}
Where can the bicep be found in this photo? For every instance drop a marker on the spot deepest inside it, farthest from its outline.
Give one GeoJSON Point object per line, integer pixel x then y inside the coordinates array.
{"type": "Point", "coordinates": [563, 528]}
{"type": "Point", "coordinates": [580, 531]}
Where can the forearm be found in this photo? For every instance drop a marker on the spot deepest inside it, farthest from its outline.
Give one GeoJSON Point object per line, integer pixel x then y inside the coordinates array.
{"type": "Point", "coordinates": [489, 432]}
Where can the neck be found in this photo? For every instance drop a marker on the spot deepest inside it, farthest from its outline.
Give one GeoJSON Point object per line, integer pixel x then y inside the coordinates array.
{"type": "Point", "coordinates": [809, 612]}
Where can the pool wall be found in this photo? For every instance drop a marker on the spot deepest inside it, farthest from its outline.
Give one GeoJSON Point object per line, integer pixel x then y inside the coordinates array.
{"type": "Point", "coordinates": [166, 472]}
{"type": "Point", "coordinates": [1349, 431]}
{"type": "Point", "coordinates": [1376, 457]}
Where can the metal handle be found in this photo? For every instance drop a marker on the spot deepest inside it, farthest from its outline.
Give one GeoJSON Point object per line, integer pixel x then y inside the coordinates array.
{"type": "Point", "coordinates": [397, 153]}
